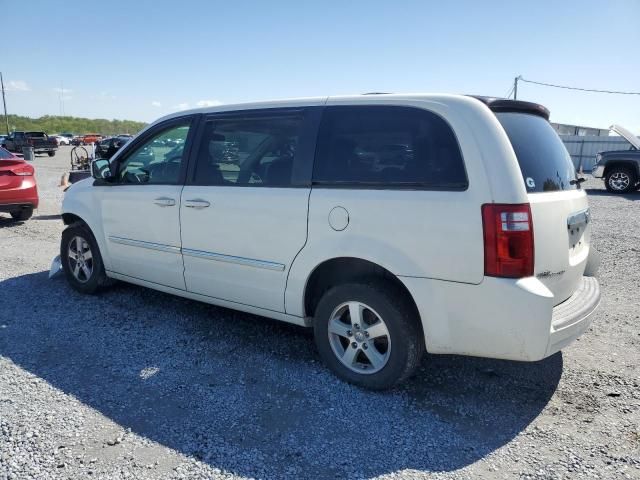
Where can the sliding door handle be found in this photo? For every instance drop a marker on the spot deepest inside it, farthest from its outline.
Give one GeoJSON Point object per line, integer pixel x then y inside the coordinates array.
{"type": "Point", "coordinates": [196, 203]}
{"type": "Point", "coordinates": [165, 202]}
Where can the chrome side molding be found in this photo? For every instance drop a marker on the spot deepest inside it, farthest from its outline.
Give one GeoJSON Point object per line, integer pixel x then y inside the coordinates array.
{"type": "Point", "coordinates": [142, 244]}
{"type": "Point", "coordinates": [218, 257]}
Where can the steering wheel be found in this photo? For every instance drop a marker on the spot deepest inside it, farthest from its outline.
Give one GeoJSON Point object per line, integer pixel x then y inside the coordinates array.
{"type": "Point", "coordinates": [162, 170]}
{"type": "Point", "coordinates": [140, 176]}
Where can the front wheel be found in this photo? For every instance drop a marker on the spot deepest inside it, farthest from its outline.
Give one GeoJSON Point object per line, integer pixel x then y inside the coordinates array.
{"type": "Point", "coordinates": [620, 180]}
{"type": "Point", "coordinates": [368, 334]}
{"type": "Point", "coordinates": [51, 154]}
{"type": "Point", "coordinates": [81, 260]}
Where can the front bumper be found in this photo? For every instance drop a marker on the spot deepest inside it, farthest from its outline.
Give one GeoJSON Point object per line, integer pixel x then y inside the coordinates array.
{"type": "Point", "coordinates": [598, 171]}
{"type": "Point", "coordinates": [501, 318]}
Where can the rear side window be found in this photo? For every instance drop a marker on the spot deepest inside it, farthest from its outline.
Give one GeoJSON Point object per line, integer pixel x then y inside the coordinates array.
{"type": "Point", "coordinates": [252, 151]}
{"type": "Point", "coordinates": [386, 146]}
{"type": "Point", "coordinates": [544, 161]}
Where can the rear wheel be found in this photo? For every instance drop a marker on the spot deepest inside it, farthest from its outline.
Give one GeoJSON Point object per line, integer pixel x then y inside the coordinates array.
{"type": "Point", "coordinates": [51, 154]}
{"type": "Point", "coordinates": [620, 180]}
{"type": "Point", "coordinates": [81, 260]}
{"type": "Point", "coordinates": [368, 334]}
{"type": "Point", "coordinates": [22, 214]}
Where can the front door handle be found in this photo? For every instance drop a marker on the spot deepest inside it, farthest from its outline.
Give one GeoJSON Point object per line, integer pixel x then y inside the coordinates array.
{"type": "Point", "coordinates": [196, 203]}
{"type": "Point", "coordinates": [165, 202]}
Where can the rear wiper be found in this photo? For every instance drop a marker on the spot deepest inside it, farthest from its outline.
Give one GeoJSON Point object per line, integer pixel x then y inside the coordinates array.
{"type": "Point", "coordinates": [577, 181]}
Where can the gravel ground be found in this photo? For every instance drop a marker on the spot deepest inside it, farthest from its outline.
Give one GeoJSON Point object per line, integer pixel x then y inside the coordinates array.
{"type": "Point", "coordinates": [139, 384]}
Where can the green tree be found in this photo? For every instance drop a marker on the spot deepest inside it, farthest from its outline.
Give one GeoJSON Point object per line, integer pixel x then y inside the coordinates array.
{"type": "Point", "coordinates": [53, 124]}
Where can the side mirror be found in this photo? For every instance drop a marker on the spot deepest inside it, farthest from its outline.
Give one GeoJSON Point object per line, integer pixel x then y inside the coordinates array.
{"type": "Point", "coordinates": [100, 169]}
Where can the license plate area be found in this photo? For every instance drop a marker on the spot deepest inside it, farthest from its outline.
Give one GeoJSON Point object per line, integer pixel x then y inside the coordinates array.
{"type": "Point", "coordinates": [577, 224]}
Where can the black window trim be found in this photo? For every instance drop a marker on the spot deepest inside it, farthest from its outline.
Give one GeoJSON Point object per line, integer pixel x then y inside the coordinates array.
{"type": "Point", "coordinates": [129, 148]}
{"type": "Point", "coordinates": [305, 151]}
{"type": "Point", "coordinates": [421, 186]}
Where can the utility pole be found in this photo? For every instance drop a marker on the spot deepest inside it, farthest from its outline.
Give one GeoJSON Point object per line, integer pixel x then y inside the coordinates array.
{"type": "Point", "coordinates": [4, 102]}
{"type": "Point", "coordinates": [515, 87]}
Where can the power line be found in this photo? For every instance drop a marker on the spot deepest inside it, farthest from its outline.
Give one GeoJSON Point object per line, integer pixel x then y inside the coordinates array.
{"type": "Point", "coordinates": [577, 88]}
{"type": "Point", "coordinates": [508, 95]}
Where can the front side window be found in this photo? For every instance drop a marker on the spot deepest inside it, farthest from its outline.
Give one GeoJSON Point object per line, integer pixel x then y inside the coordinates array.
{"type": "Point", "coordinates": [252, 151]}
{"type": "Point", "coordinates": [388, 146]}
{"type": "Point", "coordinates": [158, 160]}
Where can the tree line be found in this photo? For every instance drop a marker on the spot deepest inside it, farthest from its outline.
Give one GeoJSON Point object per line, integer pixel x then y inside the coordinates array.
{"type": "Point", "coordinates": [52, 124]}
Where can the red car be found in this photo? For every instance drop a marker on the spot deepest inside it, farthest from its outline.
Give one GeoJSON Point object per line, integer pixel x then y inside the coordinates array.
{"type": "Point", "coordinates": [18, 190]}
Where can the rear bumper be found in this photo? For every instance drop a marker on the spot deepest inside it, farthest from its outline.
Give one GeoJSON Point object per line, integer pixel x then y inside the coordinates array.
{"type": "Point", "coordinates": [501, 318]}
{"type": "Point", "coordinates": [25, 195]}
{"type": "Point", "coordinates": [13, 207]}
{"type": "Point", "coordinates": [572, 317]}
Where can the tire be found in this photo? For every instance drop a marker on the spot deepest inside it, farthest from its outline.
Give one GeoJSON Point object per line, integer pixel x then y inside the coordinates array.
{"type": "Point", "coordinates": [620, 180]}
{"type": "Point", "coordinates": [379, 304]}
{"type": "Point", "coordinates": [51, 154]}
{"type": "Point", "coordinates": [23, 214]}
{"type": "Point", "coordinates": [91, 279]}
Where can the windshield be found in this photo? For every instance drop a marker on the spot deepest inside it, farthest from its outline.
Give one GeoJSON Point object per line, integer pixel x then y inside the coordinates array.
{"type": "Point", "coordinates": [36, 134]}
{"type": "Point", "coordinates": [545, 164]}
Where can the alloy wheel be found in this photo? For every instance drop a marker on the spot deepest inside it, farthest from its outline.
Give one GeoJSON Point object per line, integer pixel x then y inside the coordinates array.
{"type": "Point", "coordinates": [359, 337]}
{"type": "Point", "coordinates": [619, 181]}
{"type": "Point", "coordinates": [80, 259]}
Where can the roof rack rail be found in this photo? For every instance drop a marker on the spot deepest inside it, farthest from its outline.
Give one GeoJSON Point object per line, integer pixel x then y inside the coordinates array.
{"type": "Point", "coordinates": [376, 93]}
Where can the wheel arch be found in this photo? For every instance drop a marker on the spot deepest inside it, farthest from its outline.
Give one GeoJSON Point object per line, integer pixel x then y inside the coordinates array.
{"type": "Point", "coordinates": [633, 166]}
{"type": "Point", "coordinates": [338, 270]}
{"type": "Point", "coordinates": [71, 218]}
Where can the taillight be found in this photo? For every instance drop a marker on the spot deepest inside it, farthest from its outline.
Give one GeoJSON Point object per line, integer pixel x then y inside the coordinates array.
{"type": "Point", "coordinates": [22, 171]}
{"type": "Point", "coordinates": [508, 240]}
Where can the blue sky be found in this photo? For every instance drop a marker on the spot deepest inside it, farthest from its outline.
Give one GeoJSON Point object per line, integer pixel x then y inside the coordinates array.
{"type": "Point", "coordinates": [140, 59]}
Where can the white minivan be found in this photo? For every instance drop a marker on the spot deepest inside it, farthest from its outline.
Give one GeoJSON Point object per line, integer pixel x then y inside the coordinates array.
{"type": "Point", "coordinates": [391, 224]}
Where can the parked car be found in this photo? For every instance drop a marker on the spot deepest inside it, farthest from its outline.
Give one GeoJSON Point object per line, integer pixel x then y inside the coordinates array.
{"type": "Point", "coordinates": [109, 146]}
{"type": "Point", "coordinates": [40, 142]}
{"type": "Point", "coordinates": [62, 140]}
{"type": "Point", "coordinates": [620, 169]}
{"type": "Point", "coordinates": [90, 138]}
{"type": "Point", "coordinates": [434, 252]}
{"type": "Point", "coordinates": [18, 189]}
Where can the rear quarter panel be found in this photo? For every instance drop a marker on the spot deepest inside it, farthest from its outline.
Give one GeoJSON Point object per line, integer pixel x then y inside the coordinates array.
{"type": "Point", "coordinates": [412, 233]}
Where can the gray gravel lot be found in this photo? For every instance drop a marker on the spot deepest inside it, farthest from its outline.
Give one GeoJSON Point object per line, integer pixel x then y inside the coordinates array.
{"type": "Point", "coordinates": [139, 384]}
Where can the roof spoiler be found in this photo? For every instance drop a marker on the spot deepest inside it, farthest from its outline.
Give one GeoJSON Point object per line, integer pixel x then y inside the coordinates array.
{"type": "Point", "coordinates": [505, 105]}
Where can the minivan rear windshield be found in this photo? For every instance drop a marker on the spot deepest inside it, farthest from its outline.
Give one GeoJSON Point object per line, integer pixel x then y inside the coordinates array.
{"type": "Point", "coordinates": [545, 164]}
